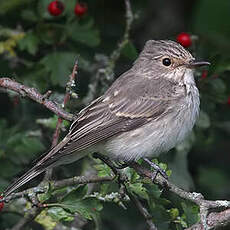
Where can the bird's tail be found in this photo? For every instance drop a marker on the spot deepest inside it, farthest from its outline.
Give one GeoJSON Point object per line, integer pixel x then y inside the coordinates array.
{"type": "Point", "coordinates": [29, 175]}
{"type": "Point", "coordinates": [44, 162]}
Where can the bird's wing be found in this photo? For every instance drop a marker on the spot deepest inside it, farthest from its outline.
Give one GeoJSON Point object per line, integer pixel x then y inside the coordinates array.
{"type": "Point", "coordinates": [129, 103]}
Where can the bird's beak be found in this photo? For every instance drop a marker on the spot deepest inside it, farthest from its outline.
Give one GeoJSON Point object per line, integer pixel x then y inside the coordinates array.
{"type": "Point", "coordinates": [195, 64]}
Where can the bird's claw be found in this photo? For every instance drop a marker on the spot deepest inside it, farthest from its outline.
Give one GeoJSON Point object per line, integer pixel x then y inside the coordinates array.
{"type": "Point", "coordinates": [157, 169]}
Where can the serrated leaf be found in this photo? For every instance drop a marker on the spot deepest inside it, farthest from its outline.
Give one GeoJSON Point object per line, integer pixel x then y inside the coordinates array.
{"type": "Point", "coordinates": [59, 214]}
{"type": "Point", "coordinates": [59, 65]}
{"type": "Point", "coordinates": [86, 207]}
{"type": "Point", "coordinates": [85, 34]}
{"type": "Point", "coordinates": [75, 202]}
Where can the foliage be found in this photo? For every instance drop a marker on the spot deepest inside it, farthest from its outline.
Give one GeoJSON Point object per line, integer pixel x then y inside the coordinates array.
{"type": "Point", "coordinates": [39, 50]}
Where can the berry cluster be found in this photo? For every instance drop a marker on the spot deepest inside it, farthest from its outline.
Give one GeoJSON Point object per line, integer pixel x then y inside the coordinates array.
{"type": "Point", "coordinates": [56, 8]}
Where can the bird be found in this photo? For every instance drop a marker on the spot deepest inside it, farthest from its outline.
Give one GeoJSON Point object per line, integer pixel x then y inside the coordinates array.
{"type": "Point", "coordinates": [148, 110]}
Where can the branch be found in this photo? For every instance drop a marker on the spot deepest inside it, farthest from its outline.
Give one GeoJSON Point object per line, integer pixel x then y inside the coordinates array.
{"type": "Point", "coordinates": [208, 220]}
{"type": "Point", "coordinates": [33, 94]}
{"type": "Point", "coordinates": [215, 220]}
{"type": "Point", "coordinates": [80, 180]}
{"type": "Point", "coordinates": [57, 185]}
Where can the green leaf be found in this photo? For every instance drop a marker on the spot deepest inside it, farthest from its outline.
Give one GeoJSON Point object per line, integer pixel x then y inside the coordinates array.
{"type": "Point", "coordinates": [51, 33]}
{"type": "Point", "coordinates": [103, 170]}
{"type": "Point", "coordinates": [130, 51]}
{"type": "Point", "coordinates": [139, 190]}
{"type": "Point", "coordinates": [29, 43]}
{"type": "Point", "coordinates": [75, 201]}
{"type": "Point", "coordinates": [85, 34]}
{"type": "Point", "coordinates": [87, 207]}
{"type": "Point", "coordinates": [191, 213]}
{"type": "Point", "coordinates": [76, 194]}
{"type": "Point", "coordinates": [59, 214]}
{"type": "Point", "coordinates": [59, 65]}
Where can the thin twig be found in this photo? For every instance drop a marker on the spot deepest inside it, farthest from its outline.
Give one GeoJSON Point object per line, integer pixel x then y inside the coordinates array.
{"type": "Point", "coordinates": [70, 83]}
{"type": "Point", "coordinates": [144, 213]}
{"type": "Point", "coordinates": [117, 52]}
{"type": "Point", "coordinates": [56, 134]}
{"type": "Point", "coordinates": [33, 94]}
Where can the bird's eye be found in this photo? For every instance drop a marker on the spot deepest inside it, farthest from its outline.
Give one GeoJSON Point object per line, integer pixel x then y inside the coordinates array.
{"type": "Point", "coordinates": [166, 62]}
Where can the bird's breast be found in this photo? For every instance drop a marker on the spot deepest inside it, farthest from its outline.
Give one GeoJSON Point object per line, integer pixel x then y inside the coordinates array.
{"type": "Point", "coordinates": [157, 136]}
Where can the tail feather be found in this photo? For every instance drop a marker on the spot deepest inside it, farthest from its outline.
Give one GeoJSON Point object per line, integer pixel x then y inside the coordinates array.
{"type": "Point", "coordinates": [32, 173]}
{"type": "Point", "coordinates": [42, 163]}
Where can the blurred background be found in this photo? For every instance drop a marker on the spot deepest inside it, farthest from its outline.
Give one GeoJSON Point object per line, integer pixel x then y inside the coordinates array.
{"type": "Point", "coordinates": [39, 44]}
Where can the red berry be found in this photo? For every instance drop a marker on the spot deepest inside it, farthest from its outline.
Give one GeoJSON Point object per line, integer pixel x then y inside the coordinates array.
{"type": "Point", "coordinates": [228, 102]}
{"type": "Point", "coordinates": [184, 39]}
{"type": "Point", "coordinates": [55, 8]}
{"type": "Point", "coordinates": [80, 9]}
{"type": "Point", "coordinates": [1, 204]}
{"type": "Point", "coordinates": [204, 74]}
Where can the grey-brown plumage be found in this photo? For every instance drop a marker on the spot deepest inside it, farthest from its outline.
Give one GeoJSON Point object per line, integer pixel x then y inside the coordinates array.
{"type": "Point", "coordinates": [147, 110]}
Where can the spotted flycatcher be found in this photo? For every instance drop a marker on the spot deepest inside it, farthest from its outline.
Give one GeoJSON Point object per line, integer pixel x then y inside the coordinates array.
{"type": "Point", "coordinates": [148, 110]}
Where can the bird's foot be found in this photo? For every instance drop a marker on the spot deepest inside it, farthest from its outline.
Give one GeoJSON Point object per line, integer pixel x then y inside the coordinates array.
{"type": "Point", "coordinates": [157, 169]}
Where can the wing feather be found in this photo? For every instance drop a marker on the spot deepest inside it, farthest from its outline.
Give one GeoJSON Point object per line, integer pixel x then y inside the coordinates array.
{"type": "Point", "coordinates": [121, 110]}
